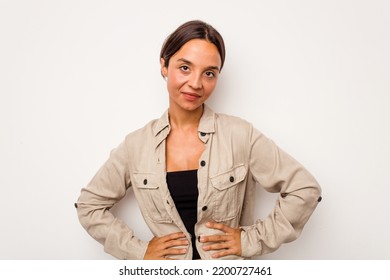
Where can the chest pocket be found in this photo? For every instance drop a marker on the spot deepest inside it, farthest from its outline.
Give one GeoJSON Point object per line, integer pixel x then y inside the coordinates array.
{"type": "Point", "coordinates": [149, 196]}
{"type": "Point", "coordinates": [226, 193]}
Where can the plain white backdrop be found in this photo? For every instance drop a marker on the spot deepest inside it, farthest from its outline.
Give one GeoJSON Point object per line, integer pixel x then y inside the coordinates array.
{"type": "Point", "coordinates": [77, 76]}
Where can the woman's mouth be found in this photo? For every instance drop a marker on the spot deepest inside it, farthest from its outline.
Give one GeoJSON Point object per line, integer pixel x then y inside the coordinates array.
{"type": "Point", "coordinates": [190, 96]}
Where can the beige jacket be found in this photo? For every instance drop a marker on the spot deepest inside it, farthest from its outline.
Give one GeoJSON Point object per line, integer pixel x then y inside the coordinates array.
{"type": "Point", "coordinates": [236, 156]}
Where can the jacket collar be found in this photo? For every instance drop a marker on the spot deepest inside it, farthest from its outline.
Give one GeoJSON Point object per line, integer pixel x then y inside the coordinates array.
{"type": "Point", "coordinates": [162, 127]}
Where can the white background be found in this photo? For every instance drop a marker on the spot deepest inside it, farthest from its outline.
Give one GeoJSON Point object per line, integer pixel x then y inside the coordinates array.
{"type": "Point", "coordinates": [77, 76]}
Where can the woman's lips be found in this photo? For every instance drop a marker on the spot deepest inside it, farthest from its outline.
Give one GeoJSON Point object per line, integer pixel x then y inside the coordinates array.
{"type": "Point", "coordinates": [190, 96]}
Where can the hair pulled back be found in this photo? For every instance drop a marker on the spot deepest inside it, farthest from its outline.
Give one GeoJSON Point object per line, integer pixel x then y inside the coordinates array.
{"type": "Point", "coordinates": [195, 29]}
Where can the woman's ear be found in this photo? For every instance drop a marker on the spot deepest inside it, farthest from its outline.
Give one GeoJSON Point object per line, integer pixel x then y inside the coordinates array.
{"type": "Point", "coordinates": [164, 69]}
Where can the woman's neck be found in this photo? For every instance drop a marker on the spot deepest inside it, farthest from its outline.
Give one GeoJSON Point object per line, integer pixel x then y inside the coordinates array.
{"type": "Point", "coordinates": [183, 119]}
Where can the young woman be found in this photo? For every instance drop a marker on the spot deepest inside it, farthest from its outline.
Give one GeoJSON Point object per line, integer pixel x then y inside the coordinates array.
{"type": "Point", "coordinates": [193, 171]}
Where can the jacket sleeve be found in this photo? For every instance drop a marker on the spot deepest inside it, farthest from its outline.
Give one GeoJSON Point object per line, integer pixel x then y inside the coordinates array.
{"type": "Point", "coordinates": [276, 171]}
{"type": "Point", "coordinates": [106, 188]}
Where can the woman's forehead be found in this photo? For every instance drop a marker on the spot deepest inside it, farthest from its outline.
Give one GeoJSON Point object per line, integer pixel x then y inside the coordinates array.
{"type": "Point", "coordinates": [198, 51]}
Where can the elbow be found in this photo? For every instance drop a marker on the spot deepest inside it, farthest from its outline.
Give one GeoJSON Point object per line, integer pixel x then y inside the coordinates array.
{"type": "Point", "coordinates": [299, 206]}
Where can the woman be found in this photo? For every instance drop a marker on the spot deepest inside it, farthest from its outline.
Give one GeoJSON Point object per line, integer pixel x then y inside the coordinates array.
{"type": "Point", "coordinates": [194, 171]}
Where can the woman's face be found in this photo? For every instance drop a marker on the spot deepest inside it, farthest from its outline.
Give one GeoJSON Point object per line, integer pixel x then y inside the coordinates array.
{"type": "Point", "coordinates": [192, 74]}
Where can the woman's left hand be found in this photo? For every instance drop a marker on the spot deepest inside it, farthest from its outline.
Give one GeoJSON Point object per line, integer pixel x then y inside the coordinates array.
{"type": "Point", "coordinates": [226, 244]}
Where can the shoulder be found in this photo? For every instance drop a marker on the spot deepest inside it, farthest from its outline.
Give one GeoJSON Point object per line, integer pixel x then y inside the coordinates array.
{"type": "Point", "coordinates": [144, 132]}
{"type": "Point", "coordinates": [147, 128]}
{"type": "Point", "coordinates": [233, 123]}
{"type": "Point", "coordinates": [233, 127]}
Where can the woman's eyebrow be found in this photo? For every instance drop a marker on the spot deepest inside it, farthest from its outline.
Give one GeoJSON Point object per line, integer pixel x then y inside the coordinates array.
{"type": "Point", "coordinates": [190, 63]}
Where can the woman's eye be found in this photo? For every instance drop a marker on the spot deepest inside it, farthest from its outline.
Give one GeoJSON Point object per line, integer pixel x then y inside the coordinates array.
{"type": "Point", "coordinates": [184, 68]}
{"type": "Point", "coordinates": [210, 74]}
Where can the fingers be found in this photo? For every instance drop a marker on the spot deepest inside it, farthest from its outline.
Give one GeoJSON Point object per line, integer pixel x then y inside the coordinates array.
{"type": "Point", "coordinates": [165, 246]}
{"type": "Point", "coordinates": [172, 236]}
{"type": "Point", "coordinates": [228, 232]}
{"type": "Point", "coordinates": [226, 243]}
{"type": "Point", "coordinates": [219, 226]}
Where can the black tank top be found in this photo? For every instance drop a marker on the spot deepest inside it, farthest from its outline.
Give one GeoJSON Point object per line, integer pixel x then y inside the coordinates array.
{"type": "Point", "coordinates": [183, 186]}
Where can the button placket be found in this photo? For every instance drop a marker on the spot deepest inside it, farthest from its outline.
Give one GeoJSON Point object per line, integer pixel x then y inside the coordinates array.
{"type": "Point", "coordinates": [203, 175]}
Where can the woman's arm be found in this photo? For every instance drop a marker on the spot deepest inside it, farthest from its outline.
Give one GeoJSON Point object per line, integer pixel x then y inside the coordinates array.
{"type": "Point", "coordinates": [106, 188]}
{"type": "Point", "coordinates": [300, 193]}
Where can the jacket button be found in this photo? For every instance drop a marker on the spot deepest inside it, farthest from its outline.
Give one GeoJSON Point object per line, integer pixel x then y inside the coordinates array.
{"type": "Point", "coordinates": [204, 208]}
{"type": "Point", "coordinates": [202, 134]}
{"type": "Point", "coordinates": [231, 179]}
{"type": "Point", "coordinates": [202, 163]}
{"type": "Point", "coordinates": [145, 181]}
{"type": "Point", "coordinates": [319, 199]}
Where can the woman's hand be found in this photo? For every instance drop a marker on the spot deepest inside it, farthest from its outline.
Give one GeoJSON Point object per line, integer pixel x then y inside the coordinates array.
{"type": "Point", "coordinates": [160, 248]}
{"type": "Point", "coordinates": [226, 244]}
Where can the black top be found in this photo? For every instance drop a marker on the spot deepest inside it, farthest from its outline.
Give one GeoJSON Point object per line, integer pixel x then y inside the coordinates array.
{"type": "Point", "coordinates": [183, 186]}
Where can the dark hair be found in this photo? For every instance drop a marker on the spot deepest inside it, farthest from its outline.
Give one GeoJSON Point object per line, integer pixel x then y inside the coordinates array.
{"type": "Point", "coordinates": [195, 29]}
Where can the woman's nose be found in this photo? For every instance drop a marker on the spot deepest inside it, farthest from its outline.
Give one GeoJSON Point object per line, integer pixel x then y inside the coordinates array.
{"type": "Point", "coordinates": [195, 81]}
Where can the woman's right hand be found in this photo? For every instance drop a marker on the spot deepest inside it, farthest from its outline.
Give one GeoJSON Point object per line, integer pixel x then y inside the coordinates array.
{"type": "Point", "coordinates": [160, 248]}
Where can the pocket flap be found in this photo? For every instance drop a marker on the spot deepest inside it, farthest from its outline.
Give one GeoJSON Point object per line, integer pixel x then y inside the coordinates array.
{"type": "Point", "coordinates": [229, 178]}
{"type": "Point", "coordinates": [145, 180]}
